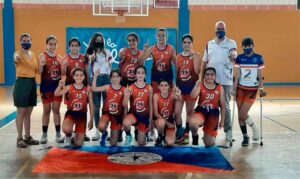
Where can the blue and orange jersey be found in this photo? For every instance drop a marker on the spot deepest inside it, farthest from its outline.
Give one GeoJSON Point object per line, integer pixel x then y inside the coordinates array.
{"type": "Point", "coordinates": [166, 105]}
{"type": "Point", "coordinates": [129, 63]}
{"type": "Point", "coordinates": [249, 67]}
{"type": "Point", "coordinates": [113, 103]}
{"type": "Point", "coordinates": [210, 98]}
{"type": "Point", "coordinates": [78, 99]}
{"type": "Point", "coordinates": [51, 73]}
{"type": "Point", "coordinates": [162, 63]}
{"type": "Point", "coordinates": [186, 75]}
{"type": "Point", "coordinates": [73, 64]}
{"type": "Point", "coordinates": [139, 100]}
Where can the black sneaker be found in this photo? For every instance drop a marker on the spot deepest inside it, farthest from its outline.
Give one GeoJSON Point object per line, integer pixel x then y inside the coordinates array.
{"type": "Point", "coordinates": [245, 141]}
{"type": "Point", "coordinates": [195, 140]}
{"type": "Point", "coordinates": [159, 141]}
{"type": "Point", "coordinates": [86, 138]}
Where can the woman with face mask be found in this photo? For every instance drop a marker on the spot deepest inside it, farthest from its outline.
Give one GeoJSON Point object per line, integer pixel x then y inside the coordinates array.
{"type": "Point", "coordinates": [24, 94]}
{"type": "Point", "coordinates": [100, 61]}
{"type": "Point", "coordinates": [248, 80]}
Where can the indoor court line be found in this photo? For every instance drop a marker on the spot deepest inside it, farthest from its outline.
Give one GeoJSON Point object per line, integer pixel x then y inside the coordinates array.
{"type": "Point", "coordinates": [280, 123]}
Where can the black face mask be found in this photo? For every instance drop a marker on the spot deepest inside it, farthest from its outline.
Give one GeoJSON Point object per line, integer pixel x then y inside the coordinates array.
{"type": "Point", "coordinates": [98, 45]}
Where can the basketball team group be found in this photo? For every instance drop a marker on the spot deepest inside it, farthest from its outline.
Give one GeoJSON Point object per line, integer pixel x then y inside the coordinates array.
{"type": "Point", "coordinates": [203, 83]}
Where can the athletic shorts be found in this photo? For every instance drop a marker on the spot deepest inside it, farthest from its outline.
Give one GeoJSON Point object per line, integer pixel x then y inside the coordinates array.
{"type": "Point", "coordinates": [24, 93]}
{"type": "Point", "coordinates": [170, 120]}
{"type": "Point", "coordinates": [116, 121]}
{"type": "Point", "coordinates": [246, 95]}
{"type": "Point", "coordinates": [187, 97]}
{"type": "Point", "coordinates": [79, 119]}
{"type": "Point", "coordinates": [142, 123]}
{"type": "Point", "coordinates": [49, 97]}
{"type": "Point", "coordinates": [210, 118]}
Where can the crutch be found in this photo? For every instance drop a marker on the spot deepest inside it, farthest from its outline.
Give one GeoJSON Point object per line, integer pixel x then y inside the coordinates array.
{"type": "Point", "coordinates": [232, 120]}
{"type": "Point", "coordinates": [261, 113]}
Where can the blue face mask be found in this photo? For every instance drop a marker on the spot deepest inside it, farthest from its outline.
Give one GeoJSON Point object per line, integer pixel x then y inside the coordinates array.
{"type": "Point", "coordinates": [248, 51]}
{"type": "Point", "coordinates": [220, 34]}
{"type": "Point", "coordinates": [26, 45]}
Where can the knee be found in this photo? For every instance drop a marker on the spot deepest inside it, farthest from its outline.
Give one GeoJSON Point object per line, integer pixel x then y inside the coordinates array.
{"type": "Point", "coordinates": [160, 123]}
{"type": "Point", "coordinates": [209, 142]}
{"type": "Point", "coordinates": [67, 130]}
{"type": "Point", "coordinates": [126, 123]}
{"type": "Point", "coordinates": [47, 111]}
{"type": "Point", "coordinates": [55, 111]}
{"type": "Point", "coordinates": [102, 127]}
{"type": "Point", "coordinates": [243, 117]}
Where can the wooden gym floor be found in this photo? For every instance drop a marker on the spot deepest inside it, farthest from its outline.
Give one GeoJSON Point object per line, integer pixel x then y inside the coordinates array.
{"type": "Point", "coordinates": [278, 158]}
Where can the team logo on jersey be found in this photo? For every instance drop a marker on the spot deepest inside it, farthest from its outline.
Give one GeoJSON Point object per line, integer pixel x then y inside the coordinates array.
{"type": "Point", "coordinates": [113, 108]}
{"type": "Point", "coordinates": [140, 106]}
{"type": "Point", "coordinates": [54, 73]}
{"type": "Point", "coordinates": [165, 112]}
{"type": "Point", "coordinates": [166, 52]}
{"type": "Point", "coordinates": [135, 158]}
{"type": "Point", "coordinates": [76, 105]}
{"type": "Point", "coordinates": [254, 60]}
{"type": "Point", "coordinates": [161, 66]}
{"type": "Point", "coordinates": [185, 74]}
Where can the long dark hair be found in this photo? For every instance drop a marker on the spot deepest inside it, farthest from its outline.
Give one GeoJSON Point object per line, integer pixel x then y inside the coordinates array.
{"type": "Point", "coordinates": [92, 48]}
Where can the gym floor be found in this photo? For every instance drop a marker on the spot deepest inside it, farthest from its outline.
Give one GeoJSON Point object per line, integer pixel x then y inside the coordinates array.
{"type": "Point", "coordinates": [278, 158]}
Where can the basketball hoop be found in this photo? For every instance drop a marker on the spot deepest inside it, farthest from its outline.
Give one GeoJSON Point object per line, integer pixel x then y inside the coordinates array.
{"type": "Point", "coordinates": [120, 15]}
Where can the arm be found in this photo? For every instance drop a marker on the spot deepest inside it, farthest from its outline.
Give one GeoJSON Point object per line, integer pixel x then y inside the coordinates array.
{"type": "Point", "coordinates": [223, 108]}
{"type": "Point", "coordinates": [145, 54]}
{"type": "Point", "coordinates": [233, 52]}
{"type": "Point", "coordinates": [197, 63]}
{"type": "Point", "coordinates": [262, 92]}
{"type": "Point", "coordinates": [177, 93]}
{"type": "Point", "coordinates": [91, 108]}
{"type": "Point", "coordinates": [42, 63]}
{"type": "Point", "coordinates": [236, 78]}
{"type": "Point", "coordinates": [174, 57]}
{"type": "Point", "coordinates": [196, 90]}
{"type": "Point", "coordinates": [17, 57]}
{"type": "Point", "coordinates": [64, 66]}
{"type": "Point", "coordinates": [127, 94]}
{"type": "Point", "coordinates": [61, 89]}
{"type": "Point", "coordinates": [203, 64]}
{"type": "Point", "coordinates": [155, 107]}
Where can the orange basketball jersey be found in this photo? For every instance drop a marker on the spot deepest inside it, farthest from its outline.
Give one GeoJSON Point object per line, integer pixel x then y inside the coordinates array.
{"type": "Point", "coordinates": [166, 105]}
{"type": "Point", "coordinates": [210, 98]}
{"type": "Point", "coordinates": [78, 99]}
{"type": "Point", "coordinates": [113, 103]}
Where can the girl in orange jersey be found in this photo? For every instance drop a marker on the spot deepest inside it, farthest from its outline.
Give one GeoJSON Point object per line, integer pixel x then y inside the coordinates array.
{"type": "Point", "coordinates": [113, 111]}
{"type": "Point", "coordinates": [188, 69]}
{"type": "Point", "coordinates": [211, 98]}
{"type": "Point", "coordinates": [79, 96]}
{"type": "Point", "coordinates": [72, 61]}
{"type": "Point", "coordinates": [129, 59]}
{"type": "Point", "coordinates": [163, 55]}
{"type": "Point", "coordinates": [163, 108]}
{"type": "Point", "coordinates": [50, 70]}
{"type": "Point", "coordinates": [140, 114]}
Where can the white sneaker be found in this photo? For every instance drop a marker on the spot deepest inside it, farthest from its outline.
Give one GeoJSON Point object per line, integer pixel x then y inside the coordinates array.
{"type": "Point", "coordinates": [59, 138]}
{"type": "Point", "coordinates": [96, 136]}
{"type": "Point", "coordinates": [44, 139]}
{"type": "Point", "coordinates": [68, 141]}
{"type": "Point", "coordinates": [151, 136]}
{"type": "Point", "coordinates": [256, 135]}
